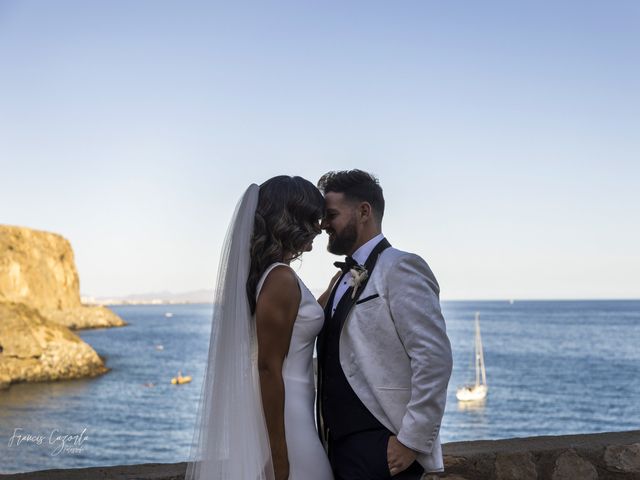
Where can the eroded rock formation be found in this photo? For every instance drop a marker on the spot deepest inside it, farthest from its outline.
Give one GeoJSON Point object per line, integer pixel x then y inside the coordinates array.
{"type": "Point", "coordinates": [38, 269]}
{"type": "Point", "coordinates": [33, 348]}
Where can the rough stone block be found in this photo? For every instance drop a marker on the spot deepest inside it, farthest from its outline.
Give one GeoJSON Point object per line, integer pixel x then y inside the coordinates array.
{"type": "Point", "coordinates": [515, 466]}
{"type": "Point", "coordinates": [623, 458]}
{"type": "Point", "coordinates": [571, 466]}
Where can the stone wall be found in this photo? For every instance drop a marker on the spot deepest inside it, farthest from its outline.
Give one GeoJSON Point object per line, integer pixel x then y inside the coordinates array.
{"type": "Point", "coordinates": [601, 456]}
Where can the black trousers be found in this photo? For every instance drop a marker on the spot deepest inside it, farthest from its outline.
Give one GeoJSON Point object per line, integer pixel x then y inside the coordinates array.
{"type": "Point", "coordinates": [363, 456]}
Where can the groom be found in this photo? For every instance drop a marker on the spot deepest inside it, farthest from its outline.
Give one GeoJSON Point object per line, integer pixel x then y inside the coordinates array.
{"type": "Point", "coordinates": [384, 358]}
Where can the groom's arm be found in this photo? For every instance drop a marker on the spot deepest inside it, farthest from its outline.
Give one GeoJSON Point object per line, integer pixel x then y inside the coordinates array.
{"type": "Point", "coordinates": [413, 294]}
{"type": "Point", "coordinates": [324, 298]}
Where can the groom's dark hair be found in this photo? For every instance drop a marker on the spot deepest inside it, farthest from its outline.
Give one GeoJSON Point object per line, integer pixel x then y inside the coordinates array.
{"type": "Point", "coordinates": [357, 186]}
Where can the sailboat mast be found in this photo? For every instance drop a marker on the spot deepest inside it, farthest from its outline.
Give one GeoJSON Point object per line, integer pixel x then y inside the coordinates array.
{"type": "Point", "coordinates": [479, 390]}
{"type": "Point", "coordinates": [480, 370]}
{"type": "Point", "coordinates": [477, 352]}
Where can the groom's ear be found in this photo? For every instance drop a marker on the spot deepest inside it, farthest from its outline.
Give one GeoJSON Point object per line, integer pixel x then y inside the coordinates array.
{"type": "Point", "coordinates": [365, 212]}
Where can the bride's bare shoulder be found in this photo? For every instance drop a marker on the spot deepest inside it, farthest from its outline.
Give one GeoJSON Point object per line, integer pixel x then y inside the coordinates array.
{"type": "Point", "coordinates": [280, 289]}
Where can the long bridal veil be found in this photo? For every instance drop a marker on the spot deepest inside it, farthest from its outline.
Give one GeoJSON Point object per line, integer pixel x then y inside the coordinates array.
{"type": "Point", "coordinates": [230, 440]}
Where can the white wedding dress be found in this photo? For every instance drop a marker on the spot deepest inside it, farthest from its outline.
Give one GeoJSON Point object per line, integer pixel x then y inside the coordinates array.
{"type": "Point", "coordinates": [230, 440]}
{"type": "Point", "coordinates": [307, 458]}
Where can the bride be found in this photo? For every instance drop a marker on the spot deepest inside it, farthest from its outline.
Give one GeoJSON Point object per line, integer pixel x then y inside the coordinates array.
{"type": "Point", "coordinates": [255, 419]}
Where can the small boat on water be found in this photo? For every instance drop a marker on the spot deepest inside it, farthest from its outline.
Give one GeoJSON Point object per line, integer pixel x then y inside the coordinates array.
{"type": "Point", "coordinates": [168, 314]}
{"type": "Point", "coordinates": [179, 380]}
{"type": "Point", "coordinates": [478, 391]}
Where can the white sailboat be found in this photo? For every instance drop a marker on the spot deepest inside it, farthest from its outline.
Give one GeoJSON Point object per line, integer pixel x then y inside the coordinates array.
{"type": "Point", "coordinates": [469, 393]}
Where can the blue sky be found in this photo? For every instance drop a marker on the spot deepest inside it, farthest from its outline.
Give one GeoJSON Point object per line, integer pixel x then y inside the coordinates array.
{"type": "Point", "coordinates": [504, 133]}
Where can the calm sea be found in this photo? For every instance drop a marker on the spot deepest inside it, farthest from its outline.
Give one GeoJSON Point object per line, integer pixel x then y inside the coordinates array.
{"type": "Point", "coordinates": [553, 367]}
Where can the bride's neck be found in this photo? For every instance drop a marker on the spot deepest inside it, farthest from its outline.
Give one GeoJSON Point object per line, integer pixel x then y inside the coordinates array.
{"type": "Point", "coordinates": [288, 258]}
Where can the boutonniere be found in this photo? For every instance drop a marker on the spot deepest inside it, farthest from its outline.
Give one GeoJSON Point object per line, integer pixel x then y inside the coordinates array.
{"type": "Point", "coordinates": [358, 275]}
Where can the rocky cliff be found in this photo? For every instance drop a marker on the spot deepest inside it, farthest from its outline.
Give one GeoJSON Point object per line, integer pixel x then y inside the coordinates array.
{"type": "Point", "coordinates": [33, 348]}
{"type": "Point", "coordinates": [38, 269]}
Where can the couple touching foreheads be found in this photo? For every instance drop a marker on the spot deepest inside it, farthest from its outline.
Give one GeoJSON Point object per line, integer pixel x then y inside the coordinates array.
{"type": "Point", "coordinates": [384, 359]}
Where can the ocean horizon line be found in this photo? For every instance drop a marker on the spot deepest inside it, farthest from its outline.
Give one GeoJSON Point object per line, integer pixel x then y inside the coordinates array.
{"type": "Point", "coordinates": [117, 302]}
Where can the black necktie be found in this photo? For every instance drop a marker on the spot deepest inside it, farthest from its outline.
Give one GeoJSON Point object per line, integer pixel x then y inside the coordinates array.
{"type": "Point", "coordinates": [347, 265]}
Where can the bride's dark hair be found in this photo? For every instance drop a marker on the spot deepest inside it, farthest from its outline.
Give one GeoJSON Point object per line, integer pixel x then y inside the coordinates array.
{"type": "Point", "coordinates": [287, 219]}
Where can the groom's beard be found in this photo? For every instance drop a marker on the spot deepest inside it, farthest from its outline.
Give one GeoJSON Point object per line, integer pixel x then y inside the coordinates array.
{"type": "Point", "coordinates": [343, 243]}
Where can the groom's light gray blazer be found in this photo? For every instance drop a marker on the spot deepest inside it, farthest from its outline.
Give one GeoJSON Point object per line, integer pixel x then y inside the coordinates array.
{"type": "Point", "coordinates": [396, 355]}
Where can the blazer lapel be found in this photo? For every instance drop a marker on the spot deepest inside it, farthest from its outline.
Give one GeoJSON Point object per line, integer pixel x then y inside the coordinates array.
{"type": "Point", "coordinates": [346, 303]}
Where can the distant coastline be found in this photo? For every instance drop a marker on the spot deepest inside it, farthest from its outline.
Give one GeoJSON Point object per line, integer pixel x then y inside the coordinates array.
{"type": "Point", "coordinates": [153, 298]}
{"type": "Point", "coordinates": [157, 301]}
{"type": "Point", "coordinates": [206, 297]}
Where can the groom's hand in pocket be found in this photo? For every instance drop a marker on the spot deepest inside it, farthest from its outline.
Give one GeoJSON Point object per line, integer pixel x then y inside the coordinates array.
{"type": "Point", "coordinates": [399, 457]}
